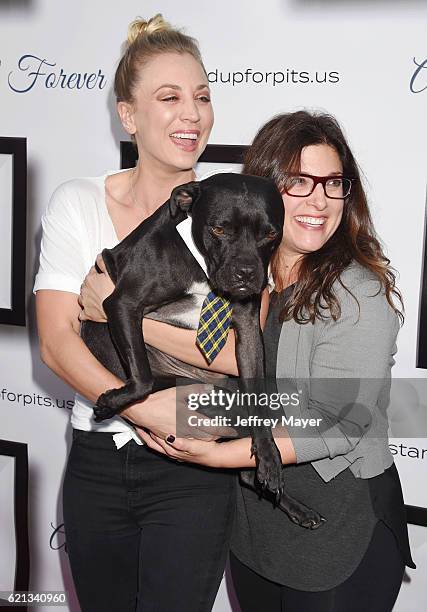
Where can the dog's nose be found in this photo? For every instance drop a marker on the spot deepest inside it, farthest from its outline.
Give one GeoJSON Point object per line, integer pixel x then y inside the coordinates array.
{"type": "Point", "coordinates": [244, 273]}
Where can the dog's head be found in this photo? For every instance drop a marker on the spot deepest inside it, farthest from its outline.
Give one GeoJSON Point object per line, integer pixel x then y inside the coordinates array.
{"type": "Point", "coordinates": [237, 225]}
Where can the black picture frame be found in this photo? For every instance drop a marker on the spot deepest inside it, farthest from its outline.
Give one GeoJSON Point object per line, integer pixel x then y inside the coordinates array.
{"type": "Point", "coordinates": [213, 154]}
{"type": "Point", "coordinates": [223, 154]}
{"type": "Point", "coordinates": [128, 154]}
{"type": "Point", "coordinates": [422, 324]}
{"type": "Point", "coordinates": [416, 515]}
{"type": "Point", "coordinates": [17, 149]}
{"type": "Point", "coordinates": [19, 452]}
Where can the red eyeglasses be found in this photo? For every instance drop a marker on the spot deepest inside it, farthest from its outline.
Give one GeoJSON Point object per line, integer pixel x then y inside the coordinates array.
{"type": "Point", "coordinates": [302, 185]}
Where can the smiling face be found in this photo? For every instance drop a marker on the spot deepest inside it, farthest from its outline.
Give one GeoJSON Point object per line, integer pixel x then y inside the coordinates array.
{"type": "Point", "coordinates": [172, 115]}
{"type": "Point", "coordinates": [310, 221]}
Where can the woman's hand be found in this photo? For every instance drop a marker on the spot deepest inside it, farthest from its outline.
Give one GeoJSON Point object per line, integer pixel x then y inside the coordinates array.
{"type": "Point", "coordinates": [166, 412]}
{"type": "Point", "coordinates": [207, 453]}
{"type": "Point", "coordinates": [95, 288]}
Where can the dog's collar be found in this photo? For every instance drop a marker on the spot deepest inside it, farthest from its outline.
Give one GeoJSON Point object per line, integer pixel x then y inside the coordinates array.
{"type": "Point", "coordinates": [184, 230]}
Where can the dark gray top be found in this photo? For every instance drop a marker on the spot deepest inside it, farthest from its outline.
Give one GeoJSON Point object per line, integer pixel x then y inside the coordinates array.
{"type": "Point", "coordinates": [270, 544]}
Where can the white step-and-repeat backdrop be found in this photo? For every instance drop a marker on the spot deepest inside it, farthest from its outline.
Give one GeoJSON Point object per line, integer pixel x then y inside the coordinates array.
{"type": "Point", "coordinates": [365, 61]}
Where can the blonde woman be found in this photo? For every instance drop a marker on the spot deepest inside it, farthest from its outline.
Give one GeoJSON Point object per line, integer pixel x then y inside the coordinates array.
{"type": "Point", "coordinates": [144, 532]}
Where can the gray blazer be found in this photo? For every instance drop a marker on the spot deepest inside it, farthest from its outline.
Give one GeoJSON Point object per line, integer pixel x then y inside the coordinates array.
{"type": "Point", "coordinates": [342, 371]}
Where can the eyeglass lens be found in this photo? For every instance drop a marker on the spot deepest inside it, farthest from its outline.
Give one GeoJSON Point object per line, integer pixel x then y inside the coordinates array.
{"type": "Point", "coordinates": [335, 187]}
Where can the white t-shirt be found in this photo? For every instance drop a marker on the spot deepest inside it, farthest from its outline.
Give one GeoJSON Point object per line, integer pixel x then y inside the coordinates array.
{"type": "Point", "coordinates": [76, 227]}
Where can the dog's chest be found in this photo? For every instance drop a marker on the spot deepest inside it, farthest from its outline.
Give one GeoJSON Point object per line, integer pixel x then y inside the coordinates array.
{"type": "Point", "coordinates": [184, 312]}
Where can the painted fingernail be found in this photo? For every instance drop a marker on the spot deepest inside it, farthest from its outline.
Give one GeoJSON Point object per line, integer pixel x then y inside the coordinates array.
{"type": "Point", "coordinates": [170, 438]}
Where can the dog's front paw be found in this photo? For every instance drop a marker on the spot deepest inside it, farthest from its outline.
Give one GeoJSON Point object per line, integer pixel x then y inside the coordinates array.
{"type": "Point", "coordinates": [113, 401]}
{"type": "Point", "coordinates": [269, 471]}
{"type": "Point", "coordinates": [103, 409]}
{"type": "Point", "coordinates": [299, 513]}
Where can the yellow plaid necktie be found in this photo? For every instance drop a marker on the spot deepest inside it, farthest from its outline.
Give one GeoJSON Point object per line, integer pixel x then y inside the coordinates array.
{"type": "Point", "coordinates": [214, 325]}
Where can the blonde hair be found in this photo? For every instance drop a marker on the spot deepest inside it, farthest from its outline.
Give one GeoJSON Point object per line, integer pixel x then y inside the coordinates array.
{"type": "Point", "coordinates": [145, 40]}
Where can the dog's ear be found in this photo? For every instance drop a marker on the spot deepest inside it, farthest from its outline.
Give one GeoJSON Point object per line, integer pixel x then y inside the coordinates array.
{"type": "Point", "coordinates": [183, 197]}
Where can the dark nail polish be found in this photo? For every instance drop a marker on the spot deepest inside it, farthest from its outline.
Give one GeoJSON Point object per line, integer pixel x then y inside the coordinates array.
{"type": "Point", "coordinates": [170, 438]}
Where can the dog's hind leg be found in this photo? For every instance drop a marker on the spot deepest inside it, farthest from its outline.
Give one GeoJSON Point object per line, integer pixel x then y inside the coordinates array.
{"type": "Point", "coordinates": [299, 513]}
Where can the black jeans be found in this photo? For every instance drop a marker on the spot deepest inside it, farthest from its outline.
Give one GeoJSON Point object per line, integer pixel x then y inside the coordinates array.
{"type": "Point", "coordinates": [144, 533]}
{"type": "Point", "coordinates": [373, 586]}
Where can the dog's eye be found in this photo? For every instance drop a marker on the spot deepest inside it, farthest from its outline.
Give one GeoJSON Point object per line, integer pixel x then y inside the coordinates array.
{"type": "Point", "coordinates": [271, 235]}
{"type": "Point", "coordinates": [217, 230]}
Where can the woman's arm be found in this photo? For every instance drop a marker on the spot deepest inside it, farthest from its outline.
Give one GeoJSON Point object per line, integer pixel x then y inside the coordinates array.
{"type": "Point", "coordinates": [233, 454]}
{"type": "Point", "coordinates": [181, 344]}
{"type": "Point", "coordinates": [62, 349]}
{"type": "Point", "coordinates": [62, 266]}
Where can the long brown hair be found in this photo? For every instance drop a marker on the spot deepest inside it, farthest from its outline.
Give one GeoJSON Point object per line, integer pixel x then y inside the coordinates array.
{"type": "Point", "coordinates": [276, 150]}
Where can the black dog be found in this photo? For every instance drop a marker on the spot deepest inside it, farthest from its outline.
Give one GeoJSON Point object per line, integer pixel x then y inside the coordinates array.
{"type": "Point", "coordinates": [237, 222]}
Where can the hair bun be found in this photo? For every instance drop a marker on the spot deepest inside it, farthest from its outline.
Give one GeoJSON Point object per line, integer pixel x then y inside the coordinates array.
{"type": "Point", "coordinates": [141, 27]}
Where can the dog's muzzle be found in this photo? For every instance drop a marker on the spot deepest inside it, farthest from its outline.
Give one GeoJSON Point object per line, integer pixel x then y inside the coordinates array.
{"type": "Point", "coordinates": [239, 279]}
